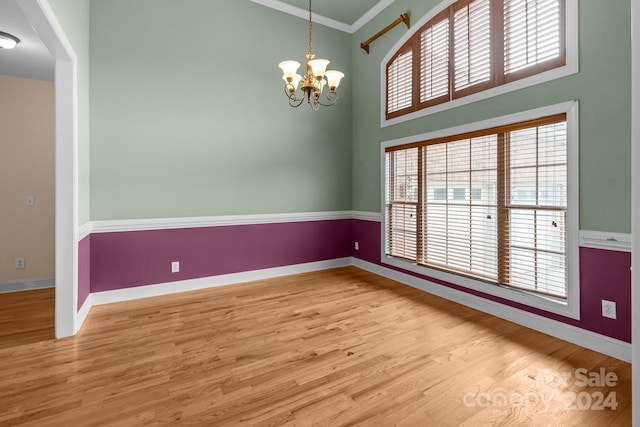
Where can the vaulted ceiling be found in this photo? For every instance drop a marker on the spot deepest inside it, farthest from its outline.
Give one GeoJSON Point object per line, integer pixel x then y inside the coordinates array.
{"type": "Point", "coordinates": [33, 60]}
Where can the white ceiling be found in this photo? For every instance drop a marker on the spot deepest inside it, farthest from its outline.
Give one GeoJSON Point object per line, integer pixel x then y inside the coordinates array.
{"type": "Point", "coordinates": [30, 59]}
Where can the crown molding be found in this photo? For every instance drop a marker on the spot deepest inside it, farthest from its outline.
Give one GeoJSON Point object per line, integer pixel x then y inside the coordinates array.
{"type": "Point", "coordinates": [323, 20]}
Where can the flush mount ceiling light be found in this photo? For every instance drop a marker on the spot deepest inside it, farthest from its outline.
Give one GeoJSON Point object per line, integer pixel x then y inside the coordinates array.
{"type": "Point", "coordinates": [7, 41]}
{"type": "Point", "coordinates": [313, 82]}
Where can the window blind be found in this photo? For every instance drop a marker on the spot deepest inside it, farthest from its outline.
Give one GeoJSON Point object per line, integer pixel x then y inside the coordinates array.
{"type": "Point", "coordinates": [434, 61]}
{"type": "Point", "coordinates": [400, 82]}
{"type": "Point", "coordinates": [537, 188]}
{"type": "Point", "coordinates": [490, 205]}
{"type": "Point", "coordinates": [402, 203]}
{"type": "Point", "coordinates": [472, 44]}
{"type": "Point", "coordinates": [531, 33]}
{"type": "Point", "coordinates": [459, 232]}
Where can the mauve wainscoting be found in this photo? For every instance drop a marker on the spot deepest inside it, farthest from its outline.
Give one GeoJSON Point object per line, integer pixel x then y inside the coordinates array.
{"type": "Point", "coordinates": [118, 260]}
{"type": "Point", "coordinates": [136, 258]}
{"type": "Point", "coordinates": [604, 274]}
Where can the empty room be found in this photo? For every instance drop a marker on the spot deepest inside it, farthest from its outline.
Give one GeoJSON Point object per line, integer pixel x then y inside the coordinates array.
{"type": "Point", "coordinates": [319, 212]}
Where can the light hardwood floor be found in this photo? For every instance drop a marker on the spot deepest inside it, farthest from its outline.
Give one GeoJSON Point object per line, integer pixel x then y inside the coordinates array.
{"type": "Point", "coordinates": [331, 348]}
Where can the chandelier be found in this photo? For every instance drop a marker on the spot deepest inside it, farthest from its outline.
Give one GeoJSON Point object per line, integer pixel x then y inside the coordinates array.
{"type": "Point", "coordinates": [313, 82]}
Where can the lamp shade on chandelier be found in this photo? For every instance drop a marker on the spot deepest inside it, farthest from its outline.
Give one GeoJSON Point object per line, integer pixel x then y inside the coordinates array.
{"type": "Point", "coordinates": [311, 86]}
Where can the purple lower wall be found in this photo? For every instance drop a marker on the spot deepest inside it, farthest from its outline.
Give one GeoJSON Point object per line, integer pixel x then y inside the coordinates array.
{"type": "Point", "coordinates": [117, 260]}
{"type": "Point", "coordinates": [603, 275]}
{"type": "Point", "coordinates": [136, 258]}
{"type": "Point", "coordinates": [84, 270]}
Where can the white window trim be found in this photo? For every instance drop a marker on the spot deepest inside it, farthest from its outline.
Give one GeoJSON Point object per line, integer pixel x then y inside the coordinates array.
{"type": "Point", "coordinates": [569, 308]}
{"type": "Point", "coordinates": [571, 67]}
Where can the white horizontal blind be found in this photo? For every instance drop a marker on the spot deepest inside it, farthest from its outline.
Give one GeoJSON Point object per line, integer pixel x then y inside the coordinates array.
{"type": "Point", "coordinates": [434, 61]}
{"type": "Point", "coordinates": [491, 206]}
{"type": "Point", "coordinates": [402, 202]}
{"type": "Point", "coordinates": [400, 82]}
{"type": "Point", "coordinates": [537, 209]}
{"type": "Point", "coordinates": [459, 210]}
{"type": "Point", "coordinates": [531, 33]}
{"type": "Point", "coordinates": [472, 44]}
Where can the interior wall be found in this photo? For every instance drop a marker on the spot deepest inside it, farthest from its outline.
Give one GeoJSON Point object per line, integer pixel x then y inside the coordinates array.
{"type": "Point", "coordinates": [26, 169]}
{"type": "Point", "coordinates": [601, 86]}
{"type": "Point", "coordinates": [189, 116]}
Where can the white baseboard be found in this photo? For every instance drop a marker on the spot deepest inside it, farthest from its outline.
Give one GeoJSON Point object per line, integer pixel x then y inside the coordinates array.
{"type": "Point", "coordinates": [119, 295]}
{"type": "Point", "coordinates": [27, 285]}
{"type": "Point", "coordinates": [591, 340]}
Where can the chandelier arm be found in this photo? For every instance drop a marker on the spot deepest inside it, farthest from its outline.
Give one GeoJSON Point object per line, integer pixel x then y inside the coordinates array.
{"type": "Point", "coordinates": [295, 102]}
{"type": "Point", "coordinates": [332, 97]}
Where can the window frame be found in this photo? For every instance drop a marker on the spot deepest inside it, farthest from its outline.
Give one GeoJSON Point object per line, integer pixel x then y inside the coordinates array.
{"type": "Point", "coordinates": [569, 307]}
{"type": "Point", "coordinates": [521, 79]}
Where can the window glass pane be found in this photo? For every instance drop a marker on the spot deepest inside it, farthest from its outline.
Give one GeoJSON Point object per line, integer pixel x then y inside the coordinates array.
{"type": "Point", "coordinates": [439, 194]}
{"type": "Point", "coordinates": [551, 231]}
{"type": "Point", "coordinates": [436, 157]}
{"type": "Point", "coordinates": [551, 274]}
{"type": "Point", "coordinates": [552, 186]}
{"type": "Point", "coordinates": [458, 156]}
{"type": "Point", "coordinates": [459, 193]}
{"type": "Point", "coordinates": [484, 248]}
{"type": "Point", "coordinates": [483, 153]}
{"type": "Point", "coordinates": [434, 64]}
{"type": "Point", "coordinates": [523, 186]}
{"type": "Point", "coordinates": [472, 44]}
{"type": "Point", "coordinates": [402, 231]}
{"type": "Point", "coordinates": [484, 188]}
{"type": "Point", "coordinates": [552, 144]}
{"type": "Point", "coordinates": [524, 147]}
{"type": "Point", "coordinates": [436, 234]}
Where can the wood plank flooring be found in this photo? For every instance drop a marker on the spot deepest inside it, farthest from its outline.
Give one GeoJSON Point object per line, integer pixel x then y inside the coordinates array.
{"type": "Point", "coordinates": [331, 348]}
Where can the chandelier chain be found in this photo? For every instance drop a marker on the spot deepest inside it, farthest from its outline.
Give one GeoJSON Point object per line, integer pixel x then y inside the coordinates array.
{"type": "Point", "coordinates": [310, 28]}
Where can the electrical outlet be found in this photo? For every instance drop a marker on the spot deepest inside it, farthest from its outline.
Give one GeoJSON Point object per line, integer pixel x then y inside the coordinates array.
{"type": "Point", "coordinates": [356, 245]}
{"type": "Point", "coordinates": [608, 309]}
{"type": "Point", "coordinates": [175, 267]}
{"type": "Point", "coordinates": [19, 263]}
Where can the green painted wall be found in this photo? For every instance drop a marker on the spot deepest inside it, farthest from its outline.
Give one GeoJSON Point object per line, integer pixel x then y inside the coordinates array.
{"type": "Point", "coordinates": [73, 16]}
{"type": "Point", "coordinates": [602, 86]}
{"type": "Point", "coordinates": [189, 116]}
